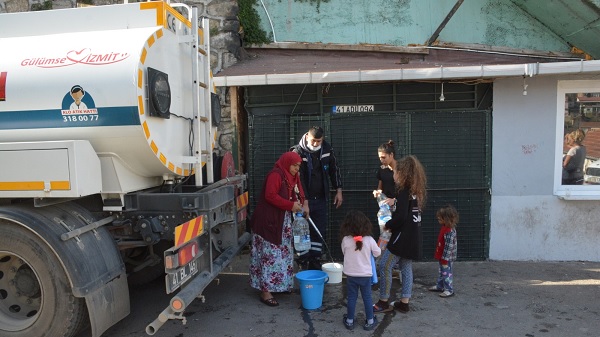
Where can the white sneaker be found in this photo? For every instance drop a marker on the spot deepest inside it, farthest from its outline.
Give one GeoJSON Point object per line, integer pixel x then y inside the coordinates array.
{"type": "Point", "coordinates": [446, 293]}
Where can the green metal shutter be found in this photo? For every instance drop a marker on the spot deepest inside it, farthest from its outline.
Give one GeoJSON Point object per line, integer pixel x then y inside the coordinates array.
{"type": "Point", "coordinates": [451, 138]}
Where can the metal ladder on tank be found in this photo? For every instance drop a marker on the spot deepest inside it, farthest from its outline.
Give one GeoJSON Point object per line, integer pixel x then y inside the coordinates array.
{"type": "Point", "coordinates": [201, 93]}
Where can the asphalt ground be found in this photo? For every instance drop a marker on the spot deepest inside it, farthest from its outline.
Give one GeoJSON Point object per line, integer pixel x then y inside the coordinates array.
{"type": "Point", "coordinates": [492, 298]}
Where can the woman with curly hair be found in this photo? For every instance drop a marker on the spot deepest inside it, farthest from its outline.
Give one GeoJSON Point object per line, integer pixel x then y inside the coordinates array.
{"type": "Point", "coordinates": [405, 225]}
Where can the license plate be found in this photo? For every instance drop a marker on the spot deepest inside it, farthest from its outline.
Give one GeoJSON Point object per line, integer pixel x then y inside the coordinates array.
{"type": "Point", "coordinates": [180, 276]}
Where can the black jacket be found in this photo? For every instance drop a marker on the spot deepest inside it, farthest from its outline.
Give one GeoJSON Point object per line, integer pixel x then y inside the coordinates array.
{"type": "Point", "coordinates": [405, 225]}
{"type": "Point", "coordinates": [328, 163]}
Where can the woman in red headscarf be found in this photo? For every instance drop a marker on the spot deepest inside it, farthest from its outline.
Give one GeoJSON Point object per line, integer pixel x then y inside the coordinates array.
{"type": "Point", "coordinates": [272, 255]}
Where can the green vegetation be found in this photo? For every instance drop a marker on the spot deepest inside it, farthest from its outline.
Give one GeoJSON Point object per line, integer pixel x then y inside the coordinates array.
{"type": "Point", "coordinates": [250, 23]}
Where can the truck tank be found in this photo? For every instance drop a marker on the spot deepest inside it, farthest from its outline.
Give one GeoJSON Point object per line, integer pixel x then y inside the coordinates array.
{"type": "Point", "coordinates": [120, 79]}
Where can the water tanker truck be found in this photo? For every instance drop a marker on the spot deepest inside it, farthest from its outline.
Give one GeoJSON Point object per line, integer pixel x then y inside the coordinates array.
{"type": "Point", "coordinates": [108, 174]}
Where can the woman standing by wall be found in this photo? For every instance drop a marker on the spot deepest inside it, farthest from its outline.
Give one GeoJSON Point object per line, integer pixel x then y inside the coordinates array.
{"type": "Point", "coordinates": [385, 177]}
{"type": "Point", "coordinates": [272, 254]}
{"type": "Point", "coordinates": [385, 174]}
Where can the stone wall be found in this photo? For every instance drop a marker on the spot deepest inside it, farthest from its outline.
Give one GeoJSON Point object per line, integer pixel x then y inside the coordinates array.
{"type": "Point", "coordinates": [225, 43]}
{"type": "Point", "coordinates": [226, 49]}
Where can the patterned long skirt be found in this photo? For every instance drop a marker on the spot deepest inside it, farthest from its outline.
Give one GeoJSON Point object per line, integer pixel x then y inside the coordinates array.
{"type": "Point", "coordinates": [271, 266]}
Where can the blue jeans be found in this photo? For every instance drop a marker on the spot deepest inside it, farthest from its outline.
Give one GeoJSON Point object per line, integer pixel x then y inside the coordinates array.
{"type": "Point", "coordinates": [444, 280]}
{"type": "Point", "coordinates": [353, 284]}
{"type": "Point", "coordinates": [387, 261]}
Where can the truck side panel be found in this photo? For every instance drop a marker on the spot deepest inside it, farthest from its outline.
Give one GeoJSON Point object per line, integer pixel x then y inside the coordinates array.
{"type": "Point", "coordinates": [61, 169]}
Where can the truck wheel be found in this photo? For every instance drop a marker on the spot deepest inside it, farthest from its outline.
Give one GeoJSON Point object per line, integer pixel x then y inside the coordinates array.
{"type": "Point", "coordinates": [35, 297]}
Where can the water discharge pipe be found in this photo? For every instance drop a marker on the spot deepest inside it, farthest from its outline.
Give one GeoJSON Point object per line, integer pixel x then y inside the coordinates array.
{"type": "Point", "coordinates": [322, 239]}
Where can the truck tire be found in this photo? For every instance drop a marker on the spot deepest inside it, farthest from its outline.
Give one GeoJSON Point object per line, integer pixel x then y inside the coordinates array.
{"type": "Point", "coordinates": [35, 296]}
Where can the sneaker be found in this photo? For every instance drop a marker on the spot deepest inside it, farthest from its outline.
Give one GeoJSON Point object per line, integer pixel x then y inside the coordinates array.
{"type": "Point", "coordinates": [435, 289]}
{"type": "Point", "coordinates": [370, 327]}
{"type": "Point", "coordinates": [382, 306]}
{"type": "Point", "coordinates": [349, 326]}
{"type": "Point", "coordinates": [400, 306]}
{"type": "Point", "coordinates": [446, 293]}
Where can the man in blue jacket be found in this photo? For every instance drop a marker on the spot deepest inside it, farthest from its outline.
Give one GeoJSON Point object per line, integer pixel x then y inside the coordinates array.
{"type": "Point", "coordinates": [319, 168]}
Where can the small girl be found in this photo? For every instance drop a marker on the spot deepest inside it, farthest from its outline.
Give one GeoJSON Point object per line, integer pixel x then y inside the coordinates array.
{"type": "Point", "coordinates": [445, 251]}
{"type": "Point", "coordinates": [357, 246]}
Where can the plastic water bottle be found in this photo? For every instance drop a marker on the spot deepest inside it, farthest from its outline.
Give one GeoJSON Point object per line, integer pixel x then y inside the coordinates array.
{"type": "Point", "coordinates": [301, 233]}
{"type": "Point", "coordinates": [384, 238]}
{"type": "Point", "coordinates": [384, 214]}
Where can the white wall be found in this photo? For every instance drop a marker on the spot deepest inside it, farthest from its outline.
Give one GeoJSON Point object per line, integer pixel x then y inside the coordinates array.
{"type": "Point", "coordinates": [527, 221]}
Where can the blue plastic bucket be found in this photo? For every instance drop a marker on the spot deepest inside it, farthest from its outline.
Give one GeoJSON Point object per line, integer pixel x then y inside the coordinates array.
{"type": "Point", "coordinates": [312, 284]}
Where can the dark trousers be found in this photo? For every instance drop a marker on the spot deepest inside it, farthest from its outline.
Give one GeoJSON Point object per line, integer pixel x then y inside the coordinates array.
{"type": "Point", "coordinates": [318, 214]}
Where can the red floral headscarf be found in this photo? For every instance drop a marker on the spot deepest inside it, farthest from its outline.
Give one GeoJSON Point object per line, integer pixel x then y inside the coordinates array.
{"type": "Point", "coordinates": [284, 162]}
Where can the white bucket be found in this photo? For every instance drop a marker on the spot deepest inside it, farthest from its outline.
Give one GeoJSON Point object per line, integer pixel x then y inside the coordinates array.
{"type": "Point", "coordinates": [334, 271]}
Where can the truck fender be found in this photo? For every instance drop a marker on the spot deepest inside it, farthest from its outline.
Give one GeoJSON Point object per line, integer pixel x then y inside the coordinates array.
{"type": "Point", "coordinates": [90, 260]}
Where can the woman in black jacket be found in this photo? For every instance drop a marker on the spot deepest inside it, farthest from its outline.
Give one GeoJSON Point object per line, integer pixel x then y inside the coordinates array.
{"type": "Point", "coordinates": [405, 225]}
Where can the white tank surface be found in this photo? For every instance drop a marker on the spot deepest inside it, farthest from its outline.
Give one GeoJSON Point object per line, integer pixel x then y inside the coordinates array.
{"type": "Point", "coordinates": [89, 77]}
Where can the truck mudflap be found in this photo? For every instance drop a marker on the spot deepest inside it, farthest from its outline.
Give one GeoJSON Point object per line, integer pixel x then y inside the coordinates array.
{"type": "Point", "coordinates": [196, 286]}
{"type": "Point", "coordinates": [108, 305]}
{"type": "Point", "coordinates": [90, 259]}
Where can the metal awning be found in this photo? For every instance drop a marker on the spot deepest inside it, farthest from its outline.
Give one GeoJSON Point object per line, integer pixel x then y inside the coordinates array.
{"type": "Point", "coordinates": [436, 73]}
{"type": "Point", "coordinates": [336, 66]}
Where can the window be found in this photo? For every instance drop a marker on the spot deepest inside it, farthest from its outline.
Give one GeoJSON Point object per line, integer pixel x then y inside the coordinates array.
{"type": "Point", "coordinates": [578, 108]}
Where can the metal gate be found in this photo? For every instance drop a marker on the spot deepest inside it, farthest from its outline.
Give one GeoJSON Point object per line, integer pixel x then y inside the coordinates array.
{"type": "Point", "coordinates": [451, 138]}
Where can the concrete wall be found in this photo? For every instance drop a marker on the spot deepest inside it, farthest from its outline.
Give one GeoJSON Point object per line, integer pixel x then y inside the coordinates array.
{"type": "Point", "coordinates": [527, 221]}
{"type": "Point", "coordinates": [489, 22]}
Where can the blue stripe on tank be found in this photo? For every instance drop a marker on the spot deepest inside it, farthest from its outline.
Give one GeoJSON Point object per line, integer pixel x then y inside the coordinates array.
{"type": "Point", "coordinates": [42, 119]}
